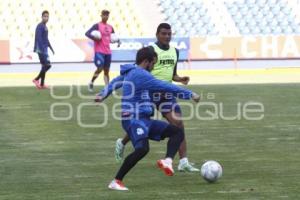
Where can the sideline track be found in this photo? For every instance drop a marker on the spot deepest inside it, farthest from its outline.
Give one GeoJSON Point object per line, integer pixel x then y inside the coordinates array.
{"type": "Point", "coordinates": [201, 77]}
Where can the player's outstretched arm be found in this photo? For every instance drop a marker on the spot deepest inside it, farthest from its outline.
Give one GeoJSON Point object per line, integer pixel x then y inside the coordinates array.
{"type": "Point", "coordinates": [196, 97]}
{"type": "Point", "coordinates": [115, 84]}
{"type": "Point", "coordinates": [151, 83]}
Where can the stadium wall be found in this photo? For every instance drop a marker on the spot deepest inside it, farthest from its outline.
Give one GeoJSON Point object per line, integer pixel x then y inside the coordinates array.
{"type": "Point", "coordinates": [4, 51]}
{"type": "Point", "coordinates": [192, 49]}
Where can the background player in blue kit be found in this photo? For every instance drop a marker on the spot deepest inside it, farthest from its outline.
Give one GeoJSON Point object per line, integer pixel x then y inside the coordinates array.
{"type": "Point", "coordinates": [41, 44]}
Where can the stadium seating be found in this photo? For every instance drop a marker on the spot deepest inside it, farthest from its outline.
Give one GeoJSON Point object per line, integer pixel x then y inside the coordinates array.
{"type": "Point", "coordinates": [259, 17]}
{"type": "Point", "coordinates": [188, 18]}
{"type": "Point", "coordinates": [68, 18]}
{"type": "Point", "coordinates": [71, 18]}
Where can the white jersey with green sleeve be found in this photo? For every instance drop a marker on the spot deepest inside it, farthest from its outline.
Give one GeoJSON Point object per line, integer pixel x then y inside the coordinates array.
{"type": "Point", "coordinates": [166, 62]}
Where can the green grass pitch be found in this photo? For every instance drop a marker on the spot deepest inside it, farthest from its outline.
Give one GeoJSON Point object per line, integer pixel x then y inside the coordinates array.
{"type": "Point", "coordinates": [42, 158]}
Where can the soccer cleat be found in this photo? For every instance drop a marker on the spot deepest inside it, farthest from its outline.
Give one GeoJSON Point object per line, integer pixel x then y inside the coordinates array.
{"type": "Point", "coordinates": [166, 167]}
{"type": "Point", "coordinates": [37, 84]}
{"type": "Point", "coordinates": [117, 185]}
{"type": "Point", "coordinates": [119, 150]}
{"type": "Point", "coordinates": [90, 87]}
{"type": "Point", "coordinates": [115, 93]}
{"type": "Point", "coordinates": [187, 167]}
{"type": "Point", "coordinates": [44, 87]}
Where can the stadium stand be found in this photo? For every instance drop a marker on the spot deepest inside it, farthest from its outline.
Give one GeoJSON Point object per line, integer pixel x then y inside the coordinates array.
{"type": "Point", "coordinates": [259, 17]}
{"type": "Point", "coordinates": [71, 18]}
{"type": "Point", "coordinates": [187, 17]}
{"type": "Point", "coordinates": [68, 18]}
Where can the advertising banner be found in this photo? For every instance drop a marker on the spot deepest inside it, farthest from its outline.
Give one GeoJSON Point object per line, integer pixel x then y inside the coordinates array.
{"type": "Point", "coordinates": [65, 51]}
{"type": "Point", "coordinates": [129, 46]}
{"type": "Point", "coordinates": [195, 48]}
{"type": "Point", "coordinates": [82, 50]}
{"type": "Point", "coordinates": [4, 51]}
{"type": "Point", "coordinates": [260, 47]}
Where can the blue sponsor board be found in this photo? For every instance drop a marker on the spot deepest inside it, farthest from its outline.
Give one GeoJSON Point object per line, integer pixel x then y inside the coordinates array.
{"type": "Point", "coordinates": [127, 50]}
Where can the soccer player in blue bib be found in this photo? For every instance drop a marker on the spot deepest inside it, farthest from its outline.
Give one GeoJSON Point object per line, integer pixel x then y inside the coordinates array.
{"type": "Point", "coordinates": [137, 83]}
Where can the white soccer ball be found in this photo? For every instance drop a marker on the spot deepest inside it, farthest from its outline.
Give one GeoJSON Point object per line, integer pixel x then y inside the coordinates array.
{"type": "Point", "coordinates": [114, 38]}
{"type": "Point", "coordinates": [96, 34]}
{"type": "Point", "coordinates": [211, 171]}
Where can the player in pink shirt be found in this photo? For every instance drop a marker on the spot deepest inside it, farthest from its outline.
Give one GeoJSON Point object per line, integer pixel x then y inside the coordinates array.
{"type": "Point", "coordinates": [102, 49]}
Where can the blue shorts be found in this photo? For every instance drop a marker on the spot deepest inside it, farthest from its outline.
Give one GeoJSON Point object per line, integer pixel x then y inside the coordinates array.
{"type": "Point", "coordinates": [166, 105]}
{"type": "Point", "coordinates": [102, 60]}
{"type": "Point", "coordinates": [44, 59]}
{"type": "Point", "coordinates": [142, 128]}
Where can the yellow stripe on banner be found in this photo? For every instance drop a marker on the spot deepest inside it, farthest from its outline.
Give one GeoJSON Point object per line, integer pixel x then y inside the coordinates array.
{"type": "Point", "coordinates": [272, 75]}
{"type": "Point", "coordinates": [240, 71]}
{"type": "Point", "coordinates": [50, 75]}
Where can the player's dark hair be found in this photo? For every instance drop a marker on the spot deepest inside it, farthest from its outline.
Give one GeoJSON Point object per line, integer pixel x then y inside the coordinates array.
{"type": "Point", "coordinates": [145, 53]}
{"type": "Point", "coordinates": [161, 26]}
{"type": "Point", "coordinates": [45, 12]}
{"type": "Point", "coordinates": [105, 12]}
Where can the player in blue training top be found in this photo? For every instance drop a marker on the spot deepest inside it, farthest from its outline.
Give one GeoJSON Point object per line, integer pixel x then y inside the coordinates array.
{"type": "Point", "coordinates": [137, 108]}
{"type": "Point", "coordinates": [165, 69]}
{"type": "Point", "coordinates": [41, 44]}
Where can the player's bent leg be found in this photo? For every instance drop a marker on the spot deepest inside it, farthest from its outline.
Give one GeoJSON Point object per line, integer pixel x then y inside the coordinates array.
{"type": "Point", "coordinates": [120, 147]}
{"type": "Point", "coordinates": [130, 161]}
{"type": "Point", "coordinates": [125, 139]}
{"type": "Point", "coordinates": [175, 136]}
{"type": "Point", "coordinates": [184, 165]}
{"type": "Point", "coordinates": [45, 62]}
{"type": "Point", "coordinates": [106, 66]}
{"type": "Point", "coordinates": [43, 76]}
{"type": "Point", "coordinates": [119, 150]}
{"type": "Point", "coordinates": [99, 61]}
{"type": "Point", "coordinates": [95, 76]}
{"type": "Point", "coordinates": [46, 68]}
{"type": "Point", "coordinates": [106, 75]}
{"type": "Point", "coordinates": [174, 118]}
{"type": "Point", "coordinates": [141, 149]}
{"type": "Point", "coordinates": [36, 79]}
